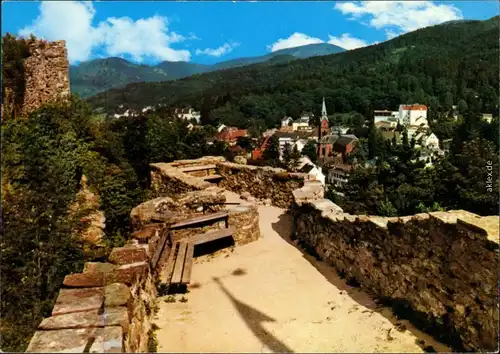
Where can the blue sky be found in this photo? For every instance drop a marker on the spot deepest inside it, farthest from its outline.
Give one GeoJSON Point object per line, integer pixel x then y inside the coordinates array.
{"type": "Point", "coordinates": [209, 32]}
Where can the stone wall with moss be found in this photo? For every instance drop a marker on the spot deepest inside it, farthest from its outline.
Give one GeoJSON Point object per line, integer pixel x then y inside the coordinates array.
{"type": "Point", "coordinates": [440, 268]}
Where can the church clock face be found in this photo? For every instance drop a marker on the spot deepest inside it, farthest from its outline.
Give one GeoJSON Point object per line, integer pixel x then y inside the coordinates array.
{"type": "Point", "coordinates": [324, 124]}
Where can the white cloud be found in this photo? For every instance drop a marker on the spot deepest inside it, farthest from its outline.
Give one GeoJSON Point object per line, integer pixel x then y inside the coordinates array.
{"type": "Point", "coordinates": [217, 52]}
{"type": "Point", "coordinates": [402, 16]}
{"type": "Point", "coordinates": [72, 22]}
{"type": "Point", "coordinates": [347, 42]}
{"type": "Point", "coordinates": [295, 40]}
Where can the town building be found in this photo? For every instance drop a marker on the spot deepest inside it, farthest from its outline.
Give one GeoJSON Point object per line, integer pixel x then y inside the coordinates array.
{"type": "Point", "coordinates": [407, 115]}
{"type": "Point", "coordinates": [286, 121]}
{"type": "Point", "coordinates": [293, 138]}
{"type": "Point", "coordinates": [487, 117]}
{"type": "Point", "coordinates": [221, 127]}
{"type": "Point", "coordinates": [338, 174]}
{"type": "Point", "coordinates": [188, 114]}
{"type": "Point", "coordinates": [307, 166]}
{"type": "Point", "coordinates": [230, 135]}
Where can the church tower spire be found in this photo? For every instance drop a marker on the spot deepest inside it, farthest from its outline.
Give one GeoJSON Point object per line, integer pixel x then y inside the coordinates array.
{"type": "Point", "coordinates": [324, 115]}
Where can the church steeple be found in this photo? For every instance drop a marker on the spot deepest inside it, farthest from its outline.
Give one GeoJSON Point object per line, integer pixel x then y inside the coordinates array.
{"type": "Point", "coordinates": [324, 115]}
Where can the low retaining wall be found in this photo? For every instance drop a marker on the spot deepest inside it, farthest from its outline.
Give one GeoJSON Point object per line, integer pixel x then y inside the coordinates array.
{"type": "Point", "coordinates": [107, 307]}
{"type": "Point", "coordinates": [443, 265]}
{"type": "Point", "coordinates": [261, 182]}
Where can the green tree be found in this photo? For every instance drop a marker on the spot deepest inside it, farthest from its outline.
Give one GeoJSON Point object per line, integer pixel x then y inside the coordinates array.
{"type": "Point", "coordinates": [310, 150]}
{"type": "Point", "coordinates": [295, 157]}
{"type": "Point", "coordinates": [287, 155]}
{"type": "Point", "coordinates": [272, 151]}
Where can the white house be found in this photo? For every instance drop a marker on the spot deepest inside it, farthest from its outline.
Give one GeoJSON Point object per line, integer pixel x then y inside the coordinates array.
{"type": "Point", "coordinates": [220, 128]}
{"type": "Point", "coordinates": [300, 144]}
{"type": "Point", "coordinates": [285, 121]}
{"type": "Point", "coordinates": [338, 175]}
{"type": "Point", "coordinates": [408, 115]}
{"type": "Point", "coordinates": [413, 114]}
{"type": "Point", "coordinates": [487, 117]}
{"type": "Point", "coordinates": [307, 166]}
{"type": "Point", "coordinates": [301, 124]}
{"type": "Point", "coordinates": [188, 114]}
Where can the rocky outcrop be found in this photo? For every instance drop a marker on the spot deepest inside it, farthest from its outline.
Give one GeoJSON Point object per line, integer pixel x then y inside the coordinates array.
{"type": "Point", "coordinates": [46, 74]}
{"type": "Point", "coordinates": [261, 182]}
{"type": "Point", "coordinates": [443, 265]}
{"type": "Point", "coordinates": [93, 219]}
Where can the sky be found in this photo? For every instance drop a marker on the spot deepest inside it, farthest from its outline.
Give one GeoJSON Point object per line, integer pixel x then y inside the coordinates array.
{"type": "Point", "coordinates": [210, 32]}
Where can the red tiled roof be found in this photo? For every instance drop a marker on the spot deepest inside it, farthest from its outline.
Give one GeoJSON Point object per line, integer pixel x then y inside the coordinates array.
{"type": "Point", "coordinates": [414, 107]}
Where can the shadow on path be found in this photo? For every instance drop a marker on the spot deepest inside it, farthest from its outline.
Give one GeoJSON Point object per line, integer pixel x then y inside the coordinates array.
{"type": "Point", "coordinates": [253, 319]}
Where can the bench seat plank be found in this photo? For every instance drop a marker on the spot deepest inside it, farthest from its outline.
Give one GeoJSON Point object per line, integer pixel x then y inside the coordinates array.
{"type": "Point", "coordinates": [199, 220]}
{"type": "Point", "coordinates": [179, 263]}
{"type": "Point", "coordinates": [211, 236]}
{"type": "Point", "coordinates": [188, 264]}
{"type": "Point", "coordinates": [167, 272]}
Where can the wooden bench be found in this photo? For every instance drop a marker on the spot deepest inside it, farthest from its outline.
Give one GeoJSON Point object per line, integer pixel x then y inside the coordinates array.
{"type": "Point", "coordinates": [177, 272]}
{"type": "Point", "coordinates": [210, 236]}
{"type": "Point", "coordinates": [203, 219]}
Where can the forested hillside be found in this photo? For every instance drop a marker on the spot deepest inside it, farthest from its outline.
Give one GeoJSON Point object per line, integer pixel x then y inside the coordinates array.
{"type": "Point", "coordinates": [89, 78]}
{"type": "Point", "coordinates": [437, 66]}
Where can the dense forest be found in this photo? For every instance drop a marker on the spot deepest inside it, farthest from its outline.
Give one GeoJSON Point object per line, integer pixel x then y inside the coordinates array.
{"type": "Point", "coordinates": [438, 66]}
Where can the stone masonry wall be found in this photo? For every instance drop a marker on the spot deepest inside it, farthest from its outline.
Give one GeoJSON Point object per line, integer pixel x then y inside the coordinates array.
{"type": "Point", "coordinates": [442, 265]}
{"type": "Point", "coordinates": [107, 307]}
{"type": "Point", "coordinates": [46, 74]}
{"type": "Point", "coordinates": [261, 182]}
{"type": "Point", "coordinates": [167, 179]}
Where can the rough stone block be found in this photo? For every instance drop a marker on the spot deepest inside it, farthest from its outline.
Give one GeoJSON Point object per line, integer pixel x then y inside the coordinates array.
{"type": "Point", "coordinates": [116, 294]}
{"type": "Point", "coordinates": [93, 267]}
{"type": "Point", "coordinates": [60, 341]}
{"type": "Point", "coordinates": [127, 255]}
{"type": "Point", "coordinates": [144, 234]}
{"type": "Point", "coordinates": [108, 340]}
{"type": "Point", "coordinates": [75, 300]}
{"type": "Point", "coordinates": [84, 280]}
{"type": "Point", "coordinates": [114, 316]}
{"type": "Point", "coordinates": [128, 274]}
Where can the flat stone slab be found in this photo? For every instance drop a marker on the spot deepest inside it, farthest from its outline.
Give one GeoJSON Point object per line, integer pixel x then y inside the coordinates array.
{"type": "Point", "coordinates": [128, 254]}
{"type": "Point", "coordinates": [113, 316]}
{"type": "Point", "coordinates": [101, 267]}
{"type": "Point", "coordinates": [128, 273]}
{"type": "Point", "coordinates": [84, 280]}
{"type": "Point", "coordinates": [76, 300]}
{"type": "Point", "coordinates": [60, 341]}
{"type": "Point", "coordinates": [108, 340]}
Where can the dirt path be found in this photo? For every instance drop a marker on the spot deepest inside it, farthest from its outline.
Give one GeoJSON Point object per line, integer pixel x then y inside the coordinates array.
{"type": "Point", "coordinates": [267, 297]}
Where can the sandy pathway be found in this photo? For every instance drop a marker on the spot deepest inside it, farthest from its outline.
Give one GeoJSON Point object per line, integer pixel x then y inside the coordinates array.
{"type": "Point", "coordinates": [267, 297]}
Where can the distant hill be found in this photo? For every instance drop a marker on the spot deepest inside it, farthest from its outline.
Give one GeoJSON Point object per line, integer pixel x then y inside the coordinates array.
{"type": "Point", "coordinates": [92, 77]}
{"type": "Point", "coordinates": [438, 66]}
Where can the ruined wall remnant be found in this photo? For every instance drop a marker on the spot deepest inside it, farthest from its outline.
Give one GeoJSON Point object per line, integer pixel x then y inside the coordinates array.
{"type": "Point", "coordinates": [261, 182]}
{"type": "Point", "coordinates": [107, 307]}
{"type": "Point", "coordinates": [46, 74]}
{"type": "Point", "coordinates": [443, 265]}
{"type": "Point", "coordinates": [168, 179]}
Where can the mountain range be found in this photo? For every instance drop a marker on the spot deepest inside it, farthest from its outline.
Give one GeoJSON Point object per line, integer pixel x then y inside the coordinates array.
{"type": "Point", "coordinates": [437, 66]}
{"type": "Point", "coordinates": [91, 77]}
